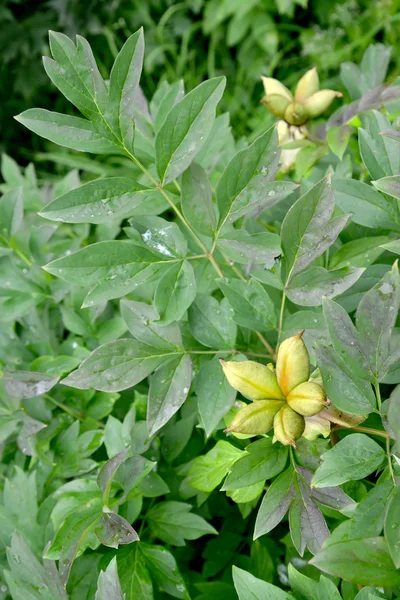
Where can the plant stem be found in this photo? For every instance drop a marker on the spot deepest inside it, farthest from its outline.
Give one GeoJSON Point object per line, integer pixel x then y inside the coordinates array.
{"type": "Point", "coordinates": [16, 250]}
{"type": "Point", "coordinates": [281, 313]}
{"type": "Point", "coordinates": [389, 457]}
{"type": "Point", "coordinates": [365, 430]}
{"type": "Point", "coordinates": [76, 414]}
{"type": "Point", "coordinates": [378, 396]}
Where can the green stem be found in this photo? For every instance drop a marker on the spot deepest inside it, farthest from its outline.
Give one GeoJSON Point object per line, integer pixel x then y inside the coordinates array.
{"type": "Point", "coordinates": [378, 396]}
{"type": "Point", "coordinates": [389, 457]}
{"type": "Point", "coordinates": [76, 414]}
{"type": "Point", "coordinates": [281, 313]}
{"type": "Point", "coordinates": [16, 250]}
{"type": "Point", "coordinates": [365, 430]}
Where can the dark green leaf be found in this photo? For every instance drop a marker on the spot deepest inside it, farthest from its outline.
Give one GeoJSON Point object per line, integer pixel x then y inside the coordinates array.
{"type": "Point", "coordinates": [358, 253]}
{"type": "Point", "coordinates": [108, 587]}
{"type": "Point", "coordinates": [208, 471]}
{"type": "Point", "coordinates": [244, 248]}
{"type": "Point", "coordinates": [117, 366]}
{"type": "Point", "coordinates": [211, 322]}
{"type": "Point", "coordinates": [275, 503]}
{"type": "Point", "coordinates": [309, 228]}
{"type": "Point", "coordinates": [310, 286]}
{"type": "Point", "coordinates": [163, 568]}
{"type": "Point", "coordinates": [366, 562]}
{"type": "Point", "coordinates": [27, 384]}
{"type": "Point", "coordinates": [133, 574]}
{"type": "Point", "coordinates": [196, 200]}
{"type": "Point", "coordinates": [392, 526]}
{"type": "Point", "coordinates": [187, 124]}
{"type": "Point", "coordinates": [368, 518]}
{"type": "Point", "coordinates": [101, 200]}
{"type": "Point", "coordinates": [11, 212]}
{"type": "Point", "coordinates": [141, 320]}
{"type": "Point", "coordinates": [249, 587]}
{"type": "Point", "coordinates": [389, 185]}
{"type": "Point", "coordinates": [264, 461]}
{"type": "Point", "coordinates": [113, 530]}
{"type": "Point", "coordinates": [173, 523]}
{"type": "Point", "coordinates": [252, 306]}
{"type": "Point", "coordinates": [215, 395]}
{"type": "Point", "coordinates": [324, 589]}
{"type": "Point", "coordinates": [175, 292]}
{"type": "Point", "coordinates": [380, 154]}
{"type": "Point", "coordinates": [354, 457]}
{"type": "Point", "coordinates": [169, 388]}
{"type": "Point", "coordinates": [107, 473]}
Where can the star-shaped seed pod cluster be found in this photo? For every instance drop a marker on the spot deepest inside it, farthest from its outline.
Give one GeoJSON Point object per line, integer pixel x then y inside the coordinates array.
{"type": "Point", "coordinates": [282, 396]}
{"type": "Point", "coordinates": [308, 101]}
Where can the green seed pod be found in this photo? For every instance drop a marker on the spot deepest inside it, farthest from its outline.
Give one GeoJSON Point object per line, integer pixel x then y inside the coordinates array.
{"type": "Point", "coordinates": [273, 86]}
{"type": "Point", "coordinates": [292, 364]}
{"type": "Point", "coordinates": [307, 85]}
{"type": "Point", "coordinates": [288, 426]}
{"type": "Point", "coordinates": [319, 102]}
{"type": "Point", "coordinates": [256, 418]}
{"type": "Point", "coordinates": [252, 379]}
{"type": "Point", "coordinates": [276, 104]}
{"type": "Point", "coordinates": [296, 114]}
{"type": "Point", "coordinates": [307, 399]}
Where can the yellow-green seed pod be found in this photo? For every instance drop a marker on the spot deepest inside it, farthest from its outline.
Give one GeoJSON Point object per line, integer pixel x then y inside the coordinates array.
{"type": "Point", "coordinates": [256, 418]}
{"type": "Point", "coordinates": [296, 114]}
{"type": "Point", "coordinates": [276, 104]}
{"type": "Point", "coordinates": [292, 364]}
{"type": "Point", "coordinates": [316, 104]}
{"type": "Point", "coordinates": [307, 399]}
{"type": "Point", "coordinates": [307, 85]}
{"type": "Point", "coordinates": [252, 379]}
{"type": "Point", "coordinates": [273, 86]}
{"type": "Point", "coordinates": [288, 426]}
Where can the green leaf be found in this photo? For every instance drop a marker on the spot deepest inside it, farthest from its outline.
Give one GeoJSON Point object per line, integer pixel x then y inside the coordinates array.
{"type": "Point", "coordinates": [368, 518]}
{"type": "Point", "coordinates": [214, 394]}
{"type": "Point", "coordinates": [242, 247]}
{"type": "Point", "coordinates": [208, 471]}
{"type": "Point", "coordinates": [324, 589]}
{"type": "Point", "coordinates": [107, 473]}
{"type": "Point", "coordinates": [306, 522]}
{"type": "Point", "coordinates": [275, 503]}
{"type": "Point", "coordinates": [392, 526]}
{"type": "Point", "coordinates": [247, 181]}
{"type": "Point", "coordinates": [366, 205]}
{"type": "Point", "coordinates": [252, 306]}
{"type": "Point", "coordinates": [380, 154]}
{"type": "Point", "coordinates": [309, 228]}
{"type": "Point", "coordinates": [142, 321]}
{"type": "Point", "coordinates": [346, 340]}
{"type": "Point", "coordinates": [102, 200]}
{"type": "Point", "coordinates": [117, 366]}
{"type": "Point", "coordinates": [376, 317]}
{"type": "Point", "coordinates": [11, 212]}
{"type": "Point", "coordinates": [75, 73]}
{"type": "Point", "coordinates": [173, 523]}
{"type": "Point", "coordinates": [249, 587]}
{"type": "Point", "coordinates": [175, 292]}
{"type": "Point", "coordinates": [133, 574]}
{"type": "Point", "coordinates": [131, 473]}
{"type": "Point", "coordinates": [338, 139]}
{"type": "Point", "coordinates": [264, 460]}
{"type": "Point", "coordinates": [113, 530]}
{"type": "Point", "coordinates": [309, 287]}
{"type": "Point", "coordinates": [161, 236]}
{"type": "Point", "coordinates": [71, 132]}
{"type": "Point", "coordinates": [169, 388]}
{"type": "Point", "coordinates": [358, 253]}
{"type": "Point", "coordinates": [211, 322]}
{"type": "Point", "coordinates": [27, 384]}
{"type": "Point", "coordinates": [153, 486]}
{"type": "Point", "coordinates": [28, 575]}
{"type": "Point", "coordinates": [389, 185]}
{"type": "Point", "coordinates": [393, 414]}
{"type": "Point", "coordinates": [196, 200]}
{"type": "Point", "coordinates": [164, 570]}
{"type": "Point", "coordinates": [124, 82]}
{"type": "Point", "coordinates": [356, 456]}
{"type": "Point", "coordinates": [108, 586]}
{"type": "Point", "coordinates": [365, 562]}
{"type": "Point", "coordinates": [187, 124]}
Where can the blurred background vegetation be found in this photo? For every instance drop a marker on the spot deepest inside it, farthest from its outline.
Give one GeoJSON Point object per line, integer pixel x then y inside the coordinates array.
{"type": "Point", "coordinates": [192, 40]}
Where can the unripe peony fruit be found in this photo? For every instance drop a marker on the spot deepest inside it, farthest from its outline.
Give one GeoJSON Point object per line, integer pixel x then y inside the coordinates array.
{"type": "Point", "coordinates": [296, 114]}
{"type": "Point", "coordinates": [307, 399]}
{"type": "Point", "coordinates": [292, 364]}
{"type": "Point", "coordinates": [307, 85]}
{"type": "Point", "coordinates": [276, 104]}
{"type": "Point", "coordinates": [252, 379]}
{"type": "Point", "coordinates": [316, 104]}
{"type": "Point", "coordinates": [256, 418]}
{"type": "Point", "coordinates": [288, 426]}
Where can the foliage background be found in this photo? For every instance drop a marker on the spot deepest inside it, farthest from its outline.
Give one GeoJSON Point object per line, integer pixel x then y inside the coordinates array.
{"type": "Point", "coordinates": [193, 40]}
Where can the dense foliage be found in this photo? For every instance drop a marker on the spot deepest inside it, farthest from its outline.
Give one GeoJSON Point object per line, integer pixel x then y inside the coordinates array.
{"type": "Point", "coordinates": [174, 267]}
